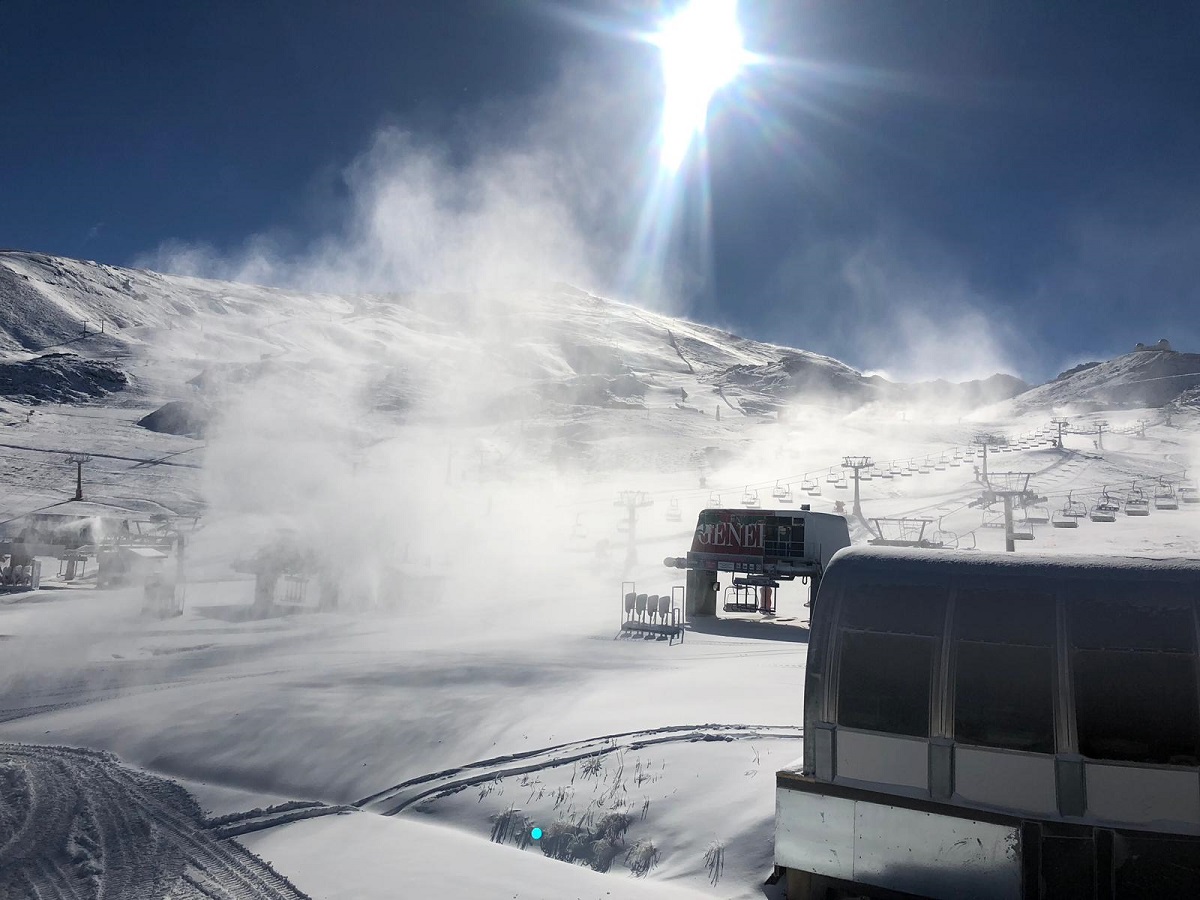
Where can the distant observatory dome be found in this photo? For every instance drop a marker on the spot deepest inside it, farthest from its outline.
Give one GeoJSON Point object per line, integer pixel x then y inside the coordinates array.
{"type": "Point", "coordinates": [1163, 344]}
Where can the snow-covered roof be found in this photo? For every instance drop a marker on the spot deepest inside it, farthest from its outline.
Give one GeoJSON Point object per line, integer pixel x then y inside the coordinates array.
{"type": "Point", "coordinates": [902, 561]}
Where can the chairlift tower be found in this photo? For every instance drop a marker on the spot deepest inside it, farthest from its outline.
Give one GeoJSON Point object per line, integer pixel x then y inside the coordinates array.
{"type": "Point", "coordinates": [78, 459]}
{"type": "Point", "coordinates": [1100, 426]}
{"type": "Point", "coordinates": [632, 501]}
{"type": "Point", "coordinates": [1060, 423]}
{"type": "Point", "coordinates": [983, 440]}
{"type": "Point", "coordinates": [1007, 487]}
{"type": "Point", "coordinates": [856, 464]}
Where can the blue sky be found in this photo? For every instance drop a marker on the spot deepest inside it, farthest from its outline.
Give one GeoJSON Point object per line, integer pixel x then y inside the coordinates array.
{"type": "Point", "coordinates": [924, 187]}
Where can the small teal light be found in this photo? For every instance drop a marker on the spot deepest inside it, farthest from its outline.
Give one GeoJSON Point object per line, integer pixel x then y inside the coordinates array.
{"type": "Point", "coordinates": [536, 834]}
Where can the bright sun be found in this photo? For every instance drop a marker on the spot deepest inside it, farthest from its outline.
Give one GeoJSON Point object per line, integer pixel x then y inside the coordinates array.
{"type": "Point", "coordinates": [701, 52]}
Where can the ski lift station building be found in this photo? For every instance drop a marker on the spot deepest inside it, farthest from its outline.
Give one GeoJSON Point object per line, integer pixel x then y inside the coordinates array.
{"type": "Point", "coordinates": [997, 726]}
{"type": "Point", "coordinates": [774, 544]}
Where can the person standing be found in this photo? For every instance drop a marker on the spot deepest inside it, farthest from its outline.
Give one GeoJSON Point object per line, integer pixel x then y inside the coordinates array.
{"type": "Point", "coordinates": [766, 600]}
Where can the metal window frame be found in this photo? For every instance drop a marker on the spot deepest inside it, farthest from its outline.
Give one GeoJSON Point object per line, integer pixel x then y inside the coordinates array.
{"type": "Point", "coordinates": [833, 668]}
{"type": "Point", "coordinates": [1069, 651]}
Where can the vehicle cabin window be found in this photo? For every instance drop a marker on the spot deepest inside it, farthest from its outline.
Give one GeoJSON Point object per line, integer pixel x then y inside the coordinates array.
{"type": "Point", "coordinates": [1004, 663]}
{"type": "Point", "coordinates": [889, 641]}
{"type": "Point", "coordinates": [1134, 675]}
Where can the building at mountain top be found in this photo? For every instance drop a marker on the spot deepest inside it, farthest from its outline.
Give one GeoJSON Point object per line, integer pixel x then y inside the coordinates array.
{"type": "Point", "coordinates": [1162, 344]}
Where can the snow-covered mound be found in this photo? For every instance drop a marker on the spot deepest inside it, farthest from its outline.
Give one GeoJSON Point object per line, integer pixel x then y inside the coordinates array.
{"type": "Point", "coordinates": [1144, 378]}
{"type": "Point", "coordinates": [178, 417]}
{"type": "Point", "coordinates": [78, 824]}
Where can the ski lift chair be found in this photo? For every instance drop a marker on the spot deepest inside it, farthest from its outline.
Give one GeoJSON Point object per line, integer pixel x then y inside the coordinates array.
{"type": "Point", "coordinates": [1060, 519]}
{"type": "Point", "coordinates": [1136, 503]}
{"type": "Point", "coordinates": [674, 513]}
{"type": "Point", "coordinates": [1105, 511]}
{"type": "Point", "coordinates": [664, 619]}
{"type": "Point", "coordinates": [923, 468]}
{"type": "Point", "coordinates": [1164, 497]}
{"type": "Point", "coordinates": [750, 499]}
{"type": "Point", "coordinates": [940, 465]}
{"type": "Point", "coordinates": [744, 599]}
{"type": "Point", "coordinates": [907, 471]}
{"type": "Point", "coordinates": [841, 484]}
{"type": "Point", "coordinates": [1189, 494]}
{"type": "Point", "coordinates": [714, 500]}
{"type": "Point", "coordinates": [992, 518]}
{"type": "Point", "coordinates": [651, 608]}
{"type": "Point", "coordinates": [945, 538]}
{"type": "Point", "coordinates": [887, 473]}
{"type": "Point", "coordinates": [1038, 515]}
{"type": "Point", "coordinates": [782, 492]}
{"type": "Point", "coordinates": [832, 477]}
{"type": "Point", "coordinates": [813, 489]}
{"type": "Point", "coordinates": [1022, 530]}
{"type": "Point", "coordinates": [866, 474]}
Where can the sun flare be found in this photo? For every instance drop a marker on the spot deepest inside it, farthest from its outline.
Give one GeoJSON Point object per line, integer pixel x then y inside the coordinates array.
{"type": "Point", "coordinates": [702, 51]}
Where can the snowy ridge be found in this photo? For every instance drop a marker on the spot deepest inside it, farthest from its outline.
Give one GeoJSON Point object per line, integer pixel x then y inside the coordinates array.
{"type": "Point", "coordinates": [553, 345]}
{"type": "Point", "coordinates": [557, 345]}
{"type": "Point", "coordinates": [1146, 378]}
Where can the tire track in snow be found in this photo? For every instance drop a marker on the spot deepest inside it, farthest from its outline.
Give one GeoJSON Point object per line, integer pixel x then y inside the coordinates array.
{"type": "Point", "coordinates": [260, 819]}
{"type": "Point", "coordinates": [79, 826]}
{"type": "Point", "coordinates": [102, 695]}
{"type": "Point", "coordinates": [396, 799]}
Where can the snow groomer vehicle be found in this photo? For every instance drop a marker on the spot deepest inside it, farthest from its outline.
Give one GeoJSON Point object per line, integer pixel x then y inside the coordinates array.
{"type": "Point", "coordinates": [995, 726]}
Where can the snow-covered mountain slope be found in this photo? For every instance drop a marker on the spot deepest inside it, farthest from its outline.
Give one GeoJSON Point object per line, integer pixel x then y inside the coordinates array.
{"type": "Point", "coordinates": [509, 352]}
{"type": "Point", "coordinates": [966, 394]}
{"type": "Point", "coordinates": [1147, 378]}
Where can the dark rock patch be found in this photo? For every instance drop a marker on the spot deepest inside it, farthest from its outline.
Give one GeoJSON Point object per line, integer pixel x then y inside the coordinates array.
{"type": "Point", "coordinates": [60, 378]}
